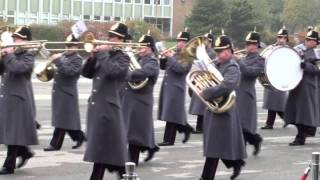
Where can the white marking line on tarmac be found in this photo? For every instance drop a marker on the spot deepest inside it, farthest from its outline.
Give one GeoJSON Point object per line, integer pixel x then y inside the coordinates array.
{"type": "Point", "coordinates": [180, 175]}
{"type": "Point", "coordinates": [223, 173]}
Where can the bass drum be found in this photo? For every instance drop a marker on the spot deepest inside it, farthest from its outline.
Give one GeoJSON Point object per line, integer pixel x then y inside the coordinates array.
{"type": "Point", "coordinates": [282, 68]}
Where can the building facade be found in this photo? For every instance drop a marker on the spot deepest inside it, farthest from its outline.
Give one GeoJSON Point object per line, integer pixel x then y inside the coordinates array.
{"type": "Point", "coordinates": [181, 9]}
{"type": "Point", "coordinates": [160, 12]}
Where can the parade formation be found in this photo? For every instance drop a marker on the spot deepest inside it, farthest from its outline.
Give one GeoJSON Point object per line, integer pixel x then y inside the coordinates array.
{"type": "Point", "coordinates": [219, 78]}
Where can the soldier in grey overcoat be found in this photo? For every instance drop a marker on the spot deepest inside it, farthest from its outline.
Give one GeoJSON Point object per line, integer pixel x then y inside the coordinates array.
{"type": "Point", "coordinates": [251, 66]}
{"type": "Point", "coordinates": [222, 132]}
{"type": "Point", "coordinates": [17, 120]}
{"type": "Point", "coordinates": [138, 103]}
{"type": "Point", "coordinates": [302, 109]}
{"type": "Point", "coordinates": [65, 102]}
{"type": "Point", "coordinates": [106, 135]}
{"type": "Point", "coordinates": [274, 100]}
{"type": "Point", "coordinates": [197, 107]}
{"type": "Point", "coordinates": [172, 94]}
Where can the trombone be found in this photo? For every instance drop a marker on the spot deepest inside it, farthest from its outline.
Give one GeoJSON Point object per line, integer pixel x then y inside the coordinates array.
{"type": "Point", "coordinates": [45, 46]}
{"type": "Point", "coordinates": [90, 42]}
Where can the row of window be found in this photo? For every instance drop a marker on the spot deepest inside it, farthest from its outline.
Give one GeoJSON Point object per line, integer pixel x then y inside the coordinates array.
{"type": "Point", "coordinates": [157, 2]}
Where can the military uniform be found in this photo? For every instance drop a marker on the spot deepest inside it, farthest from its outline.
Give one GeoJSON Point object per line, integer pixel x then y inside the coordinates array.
{"type": "Point", "coordinates": [302, 108]}
{"type": "Point", "coordinates": [172, 97]}
{"type": "Point", "coordinates": [251, 67]}
{"type": "Point", "coordinates": [222, 132]}
{"type": "Point", "coordinates": [138, 105]}
{"type": "Point", "coordinates": [65, 102]}
{"type": "Point", "coordinates": [274, 100]}
{"type": "Point", "coordinates": [17, 120]}
{"type": "Point", "coordinates": [106, 135]}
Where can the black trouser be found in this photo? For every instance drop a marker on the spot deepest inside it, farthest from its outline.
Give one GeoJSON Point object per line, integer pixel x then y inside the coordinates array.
{"type": "Point", "coordinates": [99, 169]}
{"type": "Point", "coordinates": [199, 123]}
{"type": "Point", "coordinates": [58, 136]}
{"type": "Point", "coordinates": [211, 164]}
{"type": "Point", "coordinates": [13, 152]}
{"type": "Point", "coordinates": [171, 129]}
{"type": "Point", "coordinates": [272, 117]}
{"type": "Point", "coordinates": [251, 138]}
{"type": "Point", "coordinates": [134, 152]}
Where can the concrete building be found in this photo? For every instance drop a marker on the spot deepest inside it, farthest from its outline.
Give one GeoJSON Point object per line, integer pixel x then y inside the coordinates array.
{"type": "Point", "coordinates": [160, 12]}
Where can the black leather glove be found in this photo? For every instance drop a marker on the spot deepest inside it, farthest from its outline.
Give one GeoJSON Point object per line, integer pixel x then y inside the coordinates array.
{"type": "Point", "coordinates": [190, 92]}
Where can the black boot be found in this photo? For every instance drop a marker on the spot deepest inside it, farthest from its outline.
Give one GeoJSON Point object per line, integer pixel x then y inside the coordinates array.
{"type": "Point", "coordinates": [151, 153]}
{"type": "Point", "coordinates": [24, 159]}
{"type": "Point", "coordinates": [237, 169]}
{"type": "Point", "coordinates": [38, 126]}
{"type": "Point", "coordinates": [5, 171]}
{"type": "Point", "coordinates": [187, 130]}
{"type": "Point", "coordinates": [165, 144]}
{"type": "Point", "coordinates": [50, 148]}
{"type": "Point", "coordinates": [257, 145]}
{"type": "Point", "coordinates": [79, 143]}
{"type": "Point", "coordinates": [298, 141]}
{"type": "Point", "coordinates": [266, 127]}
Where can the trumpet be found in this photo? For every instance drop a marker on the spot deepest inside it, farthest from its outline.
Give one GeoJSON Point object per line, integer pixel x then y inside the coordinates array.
{"type": "Point", "coordinates": [90, 42]}
{"type": "Point", "coordinates": [241, 53]}
{"type": "Point", "coordinates": [162, 50]}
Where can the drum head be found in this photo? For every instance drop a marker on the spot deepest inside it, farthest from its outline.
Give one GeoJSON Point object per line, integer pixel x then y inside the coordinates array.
{"type": "Point", "coordinates": [282, 68]}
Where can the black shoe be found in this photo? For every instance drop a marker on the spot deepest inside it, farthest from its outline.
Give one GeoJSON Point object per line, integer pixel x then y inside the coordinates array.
{"type": "Point", "coordinates": [38, 126]}
{"type": "Point", "coordinates": [237, 170]}
{"type": "Point", "coordinates": [197, 132]}
{"type": "Point", "coordinates": [187, 133]}
{"type": "Point", "coordinates": [257, 147]}
{"type": "Point", "coordinates": [5, 171]}
{"type": "Point", "coordinates": [23, 161]}
{"type": "Point", "coordinates": [297, 142]}
{"type": "Point", "coordinates": [79, 143]}
{"type": "Point", "coordinates": [50, 148]}
{"type": "Point", "coordinates": [151, 153]}
{"type": "Point", "coordinates": [267, 127]}
{"type": "Point", "coordinates": [165, 144]}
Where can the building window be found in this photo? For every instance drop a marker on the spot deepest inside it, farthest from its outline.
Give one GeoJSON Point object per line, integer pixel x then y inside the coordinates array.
{"type": "Point", "coordinates": [147, 2]}
{"type": "Point", "coordinates": [127, 1]}
{"type": "Point", "coordinates": [166, 2]}
{"type": "Point", "coordinates": [10, 12]}
{"type": "Point", "coordinates": [157, 2]}
{"type": "Point", "coordinates": [66, 16]}
{"type": "Point", "coordinates": [97, 18]}
{"type": "Point", "coordinates": [117, 19]}
{"type": "Point", "coordinates": [86, 17]}
{"type": "Point", "coordinates": [137, 1]}
{"type": "Point", "coordinates": [107, 18]}
{"type": "Point", "coordinates": [117, 1]}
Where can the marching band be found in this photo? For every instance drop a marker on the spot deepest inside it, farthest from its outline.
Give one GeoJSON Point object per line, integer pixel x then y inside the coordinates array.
{"type": "Point", "coordinates": [120, 107]}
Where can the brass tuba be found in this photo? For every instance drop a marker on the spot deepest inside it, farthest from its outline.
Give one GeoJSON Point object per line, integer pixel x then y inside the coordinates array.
{"type": "Point", "coordinates": [134, 64]}
{"type": "Point", "coordinates": [207, 76]}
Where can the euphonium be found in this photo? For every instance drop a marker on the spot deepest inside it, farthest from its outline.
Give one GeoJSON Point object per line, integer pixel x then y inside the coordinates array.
{"type": "Point", "coordinates": [207, 76]}
{"type": "Point", "coordinates": [134, 64]}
